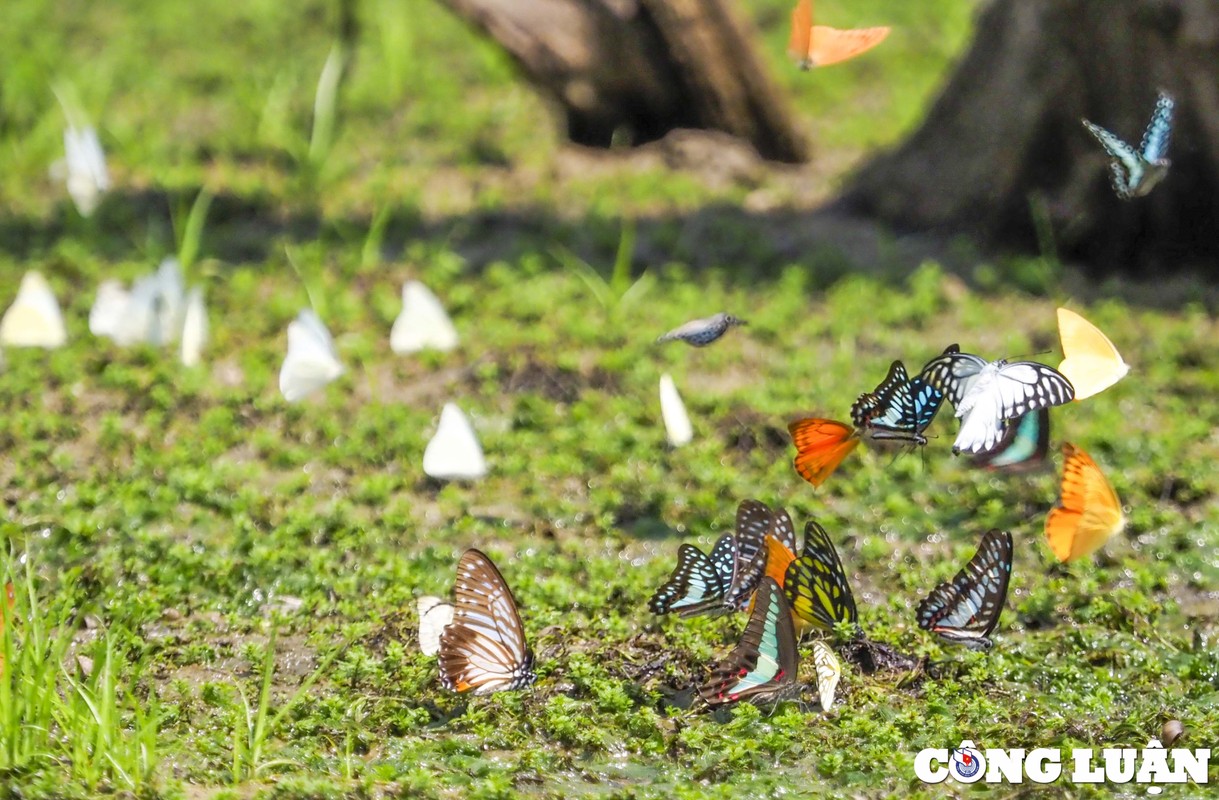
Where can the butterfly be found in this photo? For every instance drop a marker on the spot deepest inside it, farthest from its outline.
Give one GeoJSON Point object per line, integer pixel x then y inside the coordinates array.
{"type": "Point", "coordinates": [85, 168]}
{"type": "Point", "coordinates": [819, 46]}
{"type": "Point", "coordinates": [966, 609]}
{"type": "Point", "coordinates": [194, 328]}
{"type": "Point", "coordinates": [108, 309]}
{"type": "Point", "coordinates": [673, 412]}
{"type": "Point", "coordinates": [899, 409]}
{"type": "Point", "coordinates": [987, 394]}
{"type": "Point", "coordinates": [764, 664]}
{"type": "Point", "coordinates": [816, 585]}
{"type": "Point", "coordinates": [1136, 172]}
{"type": "Point", "coordinates": [312, 361]}
{"type": "Point", "coordinates": [434, 616]}
{"type": "Point", "coordinates": [829, 672]}
{"type": "Point", "coordinates": [34, 318]}
{"type": "Point", "coordinates": [754, 521]}
{"type": "Point", "coordinates": [1090, 361]}
{"type": "Point", "coordinates": [1088, 512]}
{"type": "Point", "coordinates": [699, 582]}
{"type": "Point", "coordinates": [702, 332]}
{"type": "Point", "coordinates": [1024, 446]}
{"type": "Point", "coordinates": [821, 444]}
{"type": "Point", "coordinates": [422, 324]}
{"type": "Point", "coordinates": [483, 649]}
{"type": "Point", "coordinates": [453, 453]}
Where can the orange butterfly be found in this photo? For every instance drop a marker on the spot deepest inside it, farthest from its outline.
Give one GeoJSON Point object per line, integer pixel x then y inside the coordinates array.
{"type": "Point", "coordinates": [821, 444]}
{"type": "Point", "coordinates": [1088, 512]}
{"type": "Point", "coordinates": [818, 46]}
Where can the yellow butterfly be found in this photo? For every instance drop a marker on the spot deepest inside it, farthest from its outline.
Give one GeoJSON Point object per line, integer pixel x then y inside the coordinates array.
{"type": "Point", "coordinates": [829, 671]}
{"type": "Point", "coordinates": [1090, 361]}
{"type": "Point", "coordinates": [1088, 513]}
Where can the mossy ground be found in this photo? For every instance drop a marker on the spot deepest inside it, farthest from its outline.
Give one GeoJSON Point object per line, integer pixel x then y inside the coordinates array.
{"type": "Point", "coordinates": [173, 524]}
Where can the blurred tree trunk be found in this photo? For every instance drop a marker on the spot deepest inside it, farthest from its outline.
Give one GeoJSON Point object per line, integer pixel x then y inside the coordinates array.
{"type": "Point", "coordinates": [647, 66]}
{"type": "Point", "coordinates": [1002, 155]}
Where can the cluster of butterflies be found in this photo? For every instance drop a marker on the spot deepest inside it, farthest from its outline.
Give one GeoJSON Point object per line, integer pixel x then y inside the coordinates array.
{"type": "Point", "coordinates": [158, 310]}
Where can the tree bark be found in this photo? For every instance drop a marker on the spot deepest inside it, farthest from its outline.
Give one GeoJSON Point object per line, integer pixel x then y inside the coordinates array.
{"type": "Point", "coordinates": [1002, 155]}
{"type": "Point", "coordinates": [647, 66]}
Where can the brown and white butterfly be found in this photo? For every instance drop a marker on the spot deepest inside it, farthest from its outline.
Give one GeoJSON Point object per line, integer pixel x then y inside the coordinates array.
{"type": "Point", "coordinates": [483, 650]}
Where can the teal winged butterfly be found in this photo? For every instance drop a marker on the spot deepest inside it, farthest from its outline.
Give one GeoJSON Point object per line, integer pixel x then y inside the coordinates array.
{"type": "Point", "coordinates": [1136, 172]}
{"type": "Point", "coordinates": [764, 664]}
{"type": "Point", "coordinates": [1024, 446]}
{"type": "Point", "coordinates": [699, 581]}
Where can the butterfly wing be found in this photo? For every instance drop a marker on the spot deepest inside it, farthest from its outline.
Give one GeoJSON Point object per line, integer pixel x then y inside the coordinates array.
{"type": "Point", "coordinates": [966, 609]}
{"type": "Point", "coordinates": [951, 373]}
{"type": "Point", "coordinates": [1159, 132]}
{"type": "Point", "coordinates": [1090, 361]}
{"type": "Point", "coordinates": [1088, 512]}
{"type": "Point", "coordinates": [483, 649]}
{"type": "Point", "coordinates": [765, 662]}
{"type": "Point", "coordinates": [829, 672]}
{"type": "Point", "coordinates": [798, 46]}
{"type": "Point", "coordinates": [783, 530]}
{"type": "Point", "coordinates": [422, 324]}
{"type": "Point", "coordinates": [34, 318]}
{"type": "Point", "coordinates": [816, 584]}
{"type": "Point", "coordinates": [830, 45]}
{"type": "Point", "coordinates": [1126, 164]}
{"type": "Point", "coordinates": [1024, 446]}
{"type": "Point", "coordinates": [311, 362]}
{"type": "Point", "coordinates": [699, 582]}
{"type": "Point", "coordinates": [673, 413]}
{"type": "Point", "coordinates": [753, 522]}
{"type": "Point", "coordinates": [821, 444]}
{"type": "Point", "coordinates": [434, 616]}
{"type": "Point", "coordinates": [1004, 391]}
{"type": "Point", "coordinates": [899, 409]}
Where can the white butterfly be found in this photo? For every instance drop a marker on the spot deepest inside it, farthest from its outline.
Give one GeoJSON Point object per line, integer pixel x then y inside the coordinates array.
{"type": "Point", "coordinates": [194, 328]}
{"type": "Point", "coordinates": [85, 164]}
{"type": "Point", "coordinates": [153, 310]}
{"type": "Point", "coordinates": [423, 322]}
{"type": "Point", "coordinates": [987, 394]}
{"type": "Point", "coordinates": [673, 412]}
{"type": "Point", "coordinates": [34, 318]}
{"type": "Point", "coordinates": [829, 672]}
{"type": "Point", "coordinates": [312, 361]}
{"type": "Point", "coordinates": [108, 310]}
{"type": "Point", "coordinates": [434, 616]}
{"type": "Point", "coordinates": [454, 452]}
{"type": "Point", "coordinates": [1136, 172]}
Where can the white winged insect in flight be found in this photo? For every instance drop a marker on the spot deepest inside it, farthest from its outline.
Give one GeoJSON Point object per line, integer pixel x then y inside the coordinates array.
{"type": "Point", "coordinates": [454, 453]}
{"type": "Point", "coordinates": [85, 166]}
{"type": "Point", "coordinates": [702, 332]}
{"type": "Point", "coordinates": [673, 412]}
{"type": "Point", "coordinates": [312, 361]}
{"type": "Point", "coordinates": [422, 324]}
{"type": "Point", "coordinates": [1136, 172]}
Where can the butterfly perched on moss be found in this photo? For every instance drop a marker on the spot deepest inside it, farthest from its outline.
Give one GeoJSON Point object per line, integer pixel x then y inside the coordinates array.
{"type": "Point", "coordinates": [764, 664]}
{"type": "Point", "coordinates": [966, 609]}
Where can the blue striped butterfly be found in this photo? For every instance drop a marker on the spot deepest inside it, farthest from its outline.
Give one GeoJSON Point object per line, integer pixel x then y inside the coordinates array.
{"type": "Point", "coordinates": [1025, 445]}
{"type": "Point", "coordinates": [764, 664]}
{"type": "Point", "coordinates": [699, 582]}
{"type": "Point", "coordinates": [966, 609]}
{"type": "Point", "coordinates": [986, 394]}
{"type": "Point", "coordinates": [816, 584]}
{"type": "Point", "coordinates": [754, 520]}
{"type": "Point", "coordinates": [483, 649]}
{"type": "Point", "coordinates": [1136, 172]}
{"type": "Point", "coordinates": [899, 409]}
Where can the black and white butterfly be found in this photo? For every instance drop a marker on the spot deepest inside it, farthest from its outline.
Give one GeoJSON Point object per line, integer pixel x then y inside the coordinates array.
{"type": "Point", "coordinates": [899, 409]}
{"type": "Point", "coordinates": [1136, 172]}
{"type": "Point", "coordinates": [483, 649]}
{"type": "Point", "coordinates": [966, 609]}
{"type": "Point", "coordinates": [702, 332]}
{"type": "Point", "coordinates": [986, 394]}
{"type": "Point", "coordinates": [754, 520]}
{"type": "Point", "coordinates": [699, 582]}
{"type": "Point", "coordinates": [764, 664]}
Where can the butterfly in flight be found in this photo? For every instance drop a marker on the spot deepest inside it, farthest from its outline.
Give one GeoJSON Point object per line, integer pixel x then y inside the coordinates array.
{"type": "Point", "coordinates": [821, 444]}
{"type": "Point", "coordinates": [699, 582]}
{"type": "Point", "coordinates": [1136, 172]}
{"type": "Point", "coordinates": [816, 584]}
{"type": "Point", "coordinates": [1090, 361]}
{"type": "Point", "coordinates": [818, 45]}
{"type": "Point", "coordinates": [1024, 446]}
{"type": "Point", "coordinates": [966, 609]}
{"type": "Point", "coordinates": [483, 649]}
{"type": "Point", "coordinates": [899, 409]}
{"type": "Point", "coordinates": [829, 672]}
{"type": "Point", "coordinates": [312, 360]}
{"type": "Point", "coordinates": [702, 332]}
{"type": "Point", "coordinates": [673, 413]}
{"type": "Point", "coordinates": [986, 394]}
{"type": "Point", "coordinates": [764, 664]}
{"type": "Point", "coordinates": [1088, 512]}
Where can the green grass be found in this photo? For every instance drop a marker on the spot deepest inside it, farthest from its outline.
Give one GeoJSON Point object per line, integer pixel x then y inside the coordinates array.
{"type": "Point", "coordinates": [242, 572]}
